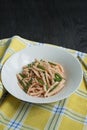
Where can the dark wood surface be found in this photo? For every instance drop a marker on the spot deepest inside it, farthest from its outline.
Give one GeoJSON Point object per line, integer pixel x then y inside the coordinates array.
{"type": "Point", "coordinates": [63, 23]}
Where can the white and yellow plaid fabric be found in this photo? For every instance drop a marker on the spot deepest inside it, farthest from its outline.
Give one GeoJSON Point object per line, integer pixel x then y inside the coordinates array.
{"type": "Point", "coordinates": [67, 114]}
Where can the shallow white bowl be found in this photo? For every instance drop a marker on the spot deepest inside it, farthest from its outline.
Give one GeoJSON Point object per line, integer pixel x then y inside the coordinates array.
{"type": "Point", "coordinates": [14, 64]}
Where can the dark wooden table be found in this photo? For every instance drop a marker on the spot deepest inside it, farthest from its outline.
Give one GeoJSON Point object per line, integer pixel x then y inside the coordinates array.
{"type": "Point", "coordinates": [63, 23]}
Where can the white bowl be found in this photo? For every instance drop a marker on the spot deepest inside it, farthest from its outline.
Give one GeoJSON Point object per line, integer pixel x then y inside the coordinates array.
{"type": "Point", "coordinates": [14, 64]}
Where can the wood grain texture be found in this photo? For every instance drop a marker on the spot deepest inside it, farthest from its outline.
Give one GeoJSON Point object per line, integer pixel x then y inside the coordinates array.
{"type": "Point", "coordinates": [50, 21]}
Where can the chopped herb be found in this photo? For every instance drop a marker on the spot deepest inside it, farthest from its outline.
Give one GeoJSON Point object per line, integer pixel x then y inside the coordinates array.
{"type": "Point", "coordinates": [25, 89]}
{"type": "Point", "coordinates": [57, 77]}
{"type": "Point", "coordinates": [22, 75]}
{"type": "Point", "coordinates": [51, 63]}
{"type": "Point", "coordinates": [30, 81]}
{"type": "Point", "coordinates": [41, 81]}
{"type": "Point", "coordinates": [53, 88]}
{"type": "Point", "coordinates": [41, 67]}
{"type": "Point", "coordinates": [21, 82]}
{"type": "Point", "coordinates": [46, 87]}
{"type": "Point", "coordinates": [27, 86]}
{"type": "Point", "coordinates": [30, 65]}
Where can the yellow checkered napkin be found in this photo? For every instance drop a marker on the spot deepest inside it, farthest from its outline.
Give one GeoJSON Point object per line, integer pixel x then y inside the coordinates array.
{"type": "Point", "coordinates": [67, 114]}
